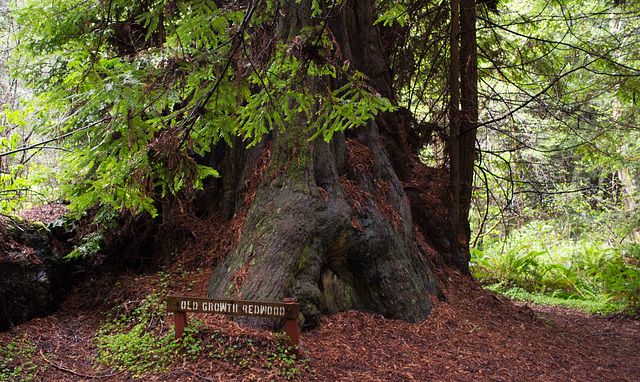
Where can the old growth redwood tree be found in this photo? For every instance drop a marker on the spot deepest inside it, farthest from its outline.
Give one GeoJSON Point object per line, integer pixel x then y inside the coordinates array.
{"type": "Point", "coordinates": [342, 224]}
{"type": "Point", "coordinates": [160, 93]}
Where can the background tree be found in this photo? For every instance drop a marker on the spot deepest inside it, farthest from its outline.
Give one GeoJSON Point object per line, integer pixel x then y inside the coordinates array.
{"type": "Point", "coordinates": [557, 93]}
{"type": "Point", "coordinates": [463, 117]}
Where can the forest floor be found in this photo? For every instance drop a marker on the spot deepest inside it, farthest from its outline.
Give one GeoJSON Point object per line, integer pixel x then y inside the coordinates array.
{"type": "Point", "coordinates": [474, 336]}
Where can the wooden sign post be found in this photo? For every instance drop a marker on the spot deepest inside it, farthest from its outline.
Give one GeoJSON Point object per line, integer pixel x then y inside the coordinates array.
{"type": "Point", "coordinates": [288, 310]}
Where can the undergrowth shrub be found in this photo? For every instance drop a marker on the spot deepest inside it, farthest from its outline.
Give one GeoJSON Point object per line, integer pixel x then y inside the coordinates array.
{"type": "Point", "coordinates": [539, 264]}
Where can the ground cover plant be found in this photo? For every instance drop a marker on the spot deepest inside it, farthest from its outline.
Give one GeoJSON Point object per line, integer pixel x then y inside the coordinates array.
{"type": "Point", "coordinates": [12, 360]}
{"type": "Point", "coordinates": [537, 263]}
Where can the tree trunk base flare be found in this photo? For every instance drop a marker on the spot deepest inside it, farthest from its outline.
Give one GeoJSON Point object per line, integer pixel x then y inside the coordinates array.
{"type": "Point", "coordinates": [331, 223]}
{"type": "Point", "coordinates": [331, 226]}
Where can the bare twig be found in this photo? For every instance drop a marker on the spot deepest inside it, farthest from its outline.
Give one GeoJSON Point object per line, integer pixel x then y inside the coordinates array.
{"type": "Point", "coordinates": [62, 368]}
{"type": "Point", "coordinates": [39, 144]}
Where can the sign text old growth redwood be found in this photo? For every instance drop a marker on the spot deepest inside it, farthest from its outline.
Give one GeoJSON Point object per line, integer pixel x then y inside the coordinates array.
{"type": "Point", "coordinates": [287, 310]}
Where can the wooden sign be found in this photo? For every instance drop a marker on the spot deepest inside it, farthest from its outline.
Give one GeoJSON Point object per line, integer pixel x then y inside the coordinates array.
{"type": "Point", "coordinates": [232, 307]}
{"type": "Point", "coordinates": [287, 310]}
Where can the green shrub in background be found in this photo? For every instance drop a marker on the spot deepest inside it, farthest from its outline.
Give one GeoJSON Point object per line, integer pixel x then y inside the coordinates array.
{"type": "Point", "coordinates": [538, 264]}
{"type": "Point", "coordinates": [519, 265]}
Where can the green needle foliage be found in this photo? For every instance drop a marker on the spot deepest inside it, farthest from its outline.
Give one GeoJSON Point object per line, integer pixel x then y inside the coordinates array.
{"type": "Point", "coordinates": [144, 89]}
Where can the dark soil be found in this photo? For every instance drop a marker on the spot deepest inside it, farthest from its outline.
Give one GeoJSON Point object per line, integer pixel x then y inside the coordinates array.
{"type": "Point", "coordinates": [474, 336]}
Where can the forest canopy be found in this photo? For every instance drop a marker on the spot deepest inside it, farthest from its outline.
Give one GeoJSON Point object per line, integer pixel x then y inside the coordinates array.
{"type": "Point", "coordinates": [158, 81]}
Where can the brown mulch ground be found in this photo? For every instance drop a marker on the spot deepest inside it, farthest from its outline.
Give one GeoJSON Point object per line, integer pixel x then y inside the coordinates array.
{"type": "Point", "coordinates": [474, 336]}
{"type": "Point", "coordinates": [45, 214]}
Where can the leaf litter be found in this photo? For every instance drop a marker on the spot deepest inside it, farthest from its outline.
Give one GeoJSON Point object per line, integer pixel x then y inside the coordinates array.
{"type": "Point", "coordinates": [475, 335]}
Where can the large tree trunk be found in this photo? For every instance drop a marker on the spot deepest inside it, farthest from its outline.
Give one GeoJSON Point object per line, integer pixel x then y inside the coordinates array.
{"type": "Point", "coordinates": [330, 223]}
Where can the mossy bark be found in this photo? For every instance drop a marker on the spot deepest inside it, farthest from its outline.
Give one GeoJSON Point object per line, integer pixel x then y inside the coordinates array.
{"type": "Point", "coordinates": [303, 238]}
{"type": "Point", "coordinates": [325, 227]}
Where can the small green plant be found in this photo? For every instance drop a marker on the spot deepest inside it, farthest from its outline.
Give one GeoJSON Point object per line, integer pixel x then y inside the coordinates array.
{"type": "Point", "coordinates": [132, 340]}
{"type": "Point", "coordinates": [106, 220]}
{"type": "Point", "coordinates": [290, 367]}
{"type": "Point", "coordinates": [16, 361]}
{"type": "Point", "coordinates": [266, 355]}
{"type": "Point", "coordinates": [137, 350]}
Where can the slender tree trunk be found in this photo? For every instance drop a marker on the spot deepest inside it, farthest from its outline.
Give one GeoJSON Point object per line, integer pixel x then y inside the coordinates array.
{"type": "Point", "coordinates": [469, 105]}
{"type": "Point", "coordinates": [454, 118]}
{"type": "Point", "coordinates": [463, 115]}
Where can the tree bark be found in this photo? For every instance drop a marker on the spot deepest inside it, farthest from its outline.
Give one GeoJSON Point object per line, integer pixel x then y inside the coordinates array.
{"type": "Point", "coordinates": [463, 117]}
{"type": "Point", "coordinates": [469, 108]}
{"type": "Point", "coordinates": [455, 159]}
{"type": "Point", "coordinates": [330, 223]}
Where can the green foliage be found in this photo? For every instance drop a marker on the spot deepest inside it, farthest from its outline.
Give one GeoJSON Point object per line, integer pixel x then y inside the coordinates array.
{"type": "Point", "coordinates": [290, 367]}
{"type": "Point", "coordinates": [396, 13]}
{"type": "Point", "coordinates": [16, 362]}
{"type": "Point", "coordinates": [560, 114]}
{"type": "Point", "coordinates": [105, 220]}
{"type": "Point", "coordinates": [14, 188]}
{"type": "Point", "coordinates": [22, 179]}
{"type": "Point", "coordinates": [557, 179]}
{"type": "Point", "coordinates": [520, 266]}
{"type": "Point", "coordinates": [592, 306]}
{"type": "Point", "coordinates": [131, 340]}
{"type": "Point", "coordinates": [142, 90]}
{"type": "Point", "coordinates": [137, 350]}
{"type": "Point", "coordinates": [538, 264]}
{"type": "Point", "coordinates": [89, 247]}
